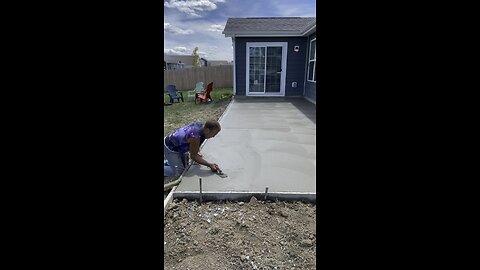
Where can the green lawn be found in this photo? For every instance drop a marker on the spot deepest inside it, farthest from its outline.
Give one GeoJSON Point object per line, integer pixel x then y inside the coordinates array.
{"type": "Point", "coordinates": [180, 114]}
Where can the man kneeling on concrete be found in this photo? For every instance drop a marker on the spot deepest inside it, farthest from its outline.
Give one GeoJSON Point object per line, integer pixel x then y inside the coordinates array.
{"type": "Point", "coordinates": [188, 139]}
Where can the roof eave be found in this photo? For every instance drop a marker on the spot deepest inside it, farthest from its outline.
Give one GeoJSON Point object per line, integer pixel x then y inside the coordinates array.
{"type": "Point", "coordinates": [308, 31]}
{"type": "Point", "coordinates": [262, 34]}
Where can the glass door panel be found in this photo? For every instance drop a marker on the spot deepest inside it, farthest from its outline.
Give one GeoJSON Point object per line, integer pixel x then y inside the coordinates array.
{"type": "Point", "coordinates": [257, 69]}
{"type": "Point", "coordinates": [274, 69]}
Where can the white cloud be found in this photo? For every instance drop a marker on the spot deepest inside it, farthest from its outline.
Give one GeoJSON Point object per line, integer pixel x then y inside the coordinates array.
{"type": "Point", "coordinates": [193, 7]}
{"type": "Point", "coordinates": [216, 28]}
{"type": "Point", "coordinates": [169, 28]}
{"type": "Point", "coordinates": [175, 52]}
{"type": "Point", "coordinates": [180, 49]}
{"type": "Point", "coordinates": [183, 51]}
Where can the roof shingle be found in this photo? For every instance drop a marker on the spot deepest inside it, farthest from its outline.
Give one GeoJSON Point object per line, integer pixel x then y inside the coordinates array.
{"type": "Point", "coordinates": [270, 24]}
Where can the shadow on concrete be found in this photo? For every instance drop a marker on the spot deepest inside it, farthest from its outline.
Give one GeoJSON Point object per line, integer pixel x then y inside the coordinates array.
{"type": "Point", "coordinates": [199, 172]}
{"type": "Point", "coordinates": [306, 107]}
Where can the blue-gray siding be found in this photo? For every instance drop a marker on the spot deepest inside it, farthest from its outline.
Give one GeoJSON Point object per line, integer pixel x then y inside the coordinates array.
{"type": "Point", "coordinates": [295, 63]}
{"type": "Point", "coordinates": [310, 87]}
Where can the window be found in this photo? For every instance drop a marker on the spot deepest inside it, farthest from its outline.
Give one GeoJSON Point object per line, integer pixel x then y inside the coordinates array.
{"type": "Point", "coordinates": [312, 60]}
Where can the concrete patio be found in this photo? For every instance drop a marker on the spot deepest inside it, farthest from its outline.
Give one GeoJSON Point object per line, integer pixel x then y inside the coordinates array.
{"type": "Point", "coordinates": [264, 142]}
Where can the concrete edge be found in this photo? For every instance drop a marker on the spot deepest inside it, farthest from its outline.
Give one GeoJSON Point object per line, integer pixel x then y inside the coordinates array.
{"type": "Point", "coordinates": [168, 200]}
{"type": "Point", "coordinates": [245, 196]}
{"type": "Point", "coordinates": [226, 110]}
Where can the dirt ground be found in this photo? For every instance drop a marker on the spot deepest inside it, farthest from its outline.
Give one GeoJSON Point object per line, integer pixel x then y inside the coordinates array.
{"type": "Point", "coordinates": [237, 235]}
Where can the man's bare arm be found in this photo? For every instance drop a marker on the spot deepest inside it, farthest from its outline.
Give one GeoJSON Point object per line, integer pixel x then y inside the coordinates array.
{"type": "Point", "coordinates": [194, 153]}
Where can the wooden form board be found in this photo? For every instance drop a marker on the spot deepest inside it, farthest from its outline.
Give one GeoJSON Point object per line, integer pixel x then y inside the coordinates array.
{"type": "Point", "coordinates": [168, 200]}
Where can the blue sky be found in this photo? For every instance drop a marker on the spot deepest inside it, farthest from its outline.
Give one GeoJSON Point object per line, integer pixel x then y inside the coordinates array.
{"type": "Point", "coordinates": [199, 23]}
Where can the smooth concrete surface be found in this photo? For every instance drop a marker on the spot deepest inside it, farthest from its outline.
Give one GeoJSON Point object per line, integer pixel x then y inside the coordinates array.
{"type": "Point", "coordinates": [264, 142]}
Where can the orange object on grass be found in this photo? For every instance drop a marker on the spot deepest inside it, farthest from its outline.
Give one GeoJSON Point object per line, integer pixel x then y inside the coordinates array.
{"type": "Point", "coordinates": [205, 95]}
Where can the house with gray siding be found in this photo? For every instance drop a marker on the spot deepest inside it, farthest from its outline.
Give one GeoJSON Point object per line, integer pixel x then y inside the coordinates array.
{"type": "Point", "coordinates": [274, 56]}
{"type": "Point", "coordinates": [171, 62]}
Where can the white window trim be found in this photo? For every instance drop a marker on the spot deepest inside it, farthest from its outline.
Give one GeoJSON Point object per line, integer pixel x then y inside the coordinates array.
{"type": "Point", "coordinates": [234, 73]}
{"type": "Point", "coordinates": [314, 60]}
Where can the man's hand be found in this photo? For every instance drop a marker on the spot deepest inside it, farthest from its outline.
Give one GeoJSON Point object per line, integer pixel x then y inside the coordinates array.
{"type": "Point", "coordinates": [214, 167]}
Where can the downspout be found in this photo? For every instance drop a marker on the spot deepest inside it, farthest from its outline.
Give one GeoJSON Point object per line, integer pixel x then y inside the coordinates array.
{"type": "Point", "coordinates": [234, 64]}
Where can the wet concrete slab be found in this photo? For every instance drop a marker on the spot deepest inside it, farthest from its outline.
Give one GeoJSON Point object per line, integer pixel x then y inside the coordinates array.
{"type": "Point", "coordinates": [264, 142]}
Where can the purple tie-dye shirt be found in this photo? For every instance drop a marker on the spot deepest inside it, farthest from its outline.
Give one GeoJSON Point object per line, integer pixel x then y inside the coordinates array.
{"type": "Point", "coordinates": [177, 140]}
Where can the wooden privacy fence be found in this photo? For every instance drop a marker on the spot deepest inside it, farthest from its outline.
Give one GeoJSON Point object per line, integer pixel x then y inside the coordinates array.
{"type": "Point", "coordinates": [185, 79]}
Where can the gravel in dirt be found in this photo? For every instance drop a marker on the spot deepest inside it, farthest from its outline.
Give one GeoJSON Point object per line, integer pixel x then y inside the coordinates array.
{"type": "Point", "coordinates": [237, 235]}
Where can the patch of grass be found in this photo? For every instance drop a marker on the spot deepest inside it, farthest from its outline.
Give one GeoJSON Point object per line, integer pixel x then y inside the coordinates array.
{"type": "Point", "coordinates": [180, 114]}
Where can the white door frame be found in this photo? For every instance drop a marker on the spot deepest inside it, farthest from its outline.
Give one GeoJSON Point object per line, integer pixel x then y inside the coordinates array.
{"type": "Point", "coordinates": [283, 76]}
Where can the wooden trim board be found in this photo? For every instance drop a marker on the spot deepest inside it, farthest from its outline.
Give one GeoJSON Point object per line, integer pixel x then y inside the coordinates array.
{"type": "Point", "coordinates": [246, 195]}
{"type": "Point", "coordinates": [168, 200]}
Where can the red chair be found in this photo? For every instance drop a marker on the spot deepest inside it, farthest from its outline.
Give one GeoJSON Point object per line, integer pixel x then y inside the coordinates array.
{"type": "Point", "coordinates": [205, 95]}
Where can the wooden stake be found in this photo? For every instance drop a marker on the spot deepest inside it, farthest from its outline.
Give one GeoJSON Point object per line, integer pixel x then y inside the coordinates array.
{"type": "Point", "coordinates": [200, 180]}
{"type": "Point", "coordinates": [266, 191]}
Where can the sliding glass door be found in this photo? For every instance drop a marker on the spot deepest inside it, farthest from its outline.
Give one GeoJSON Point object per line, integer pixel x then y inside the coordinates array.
{"type": "Point", "coordinates": [266, 69]}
